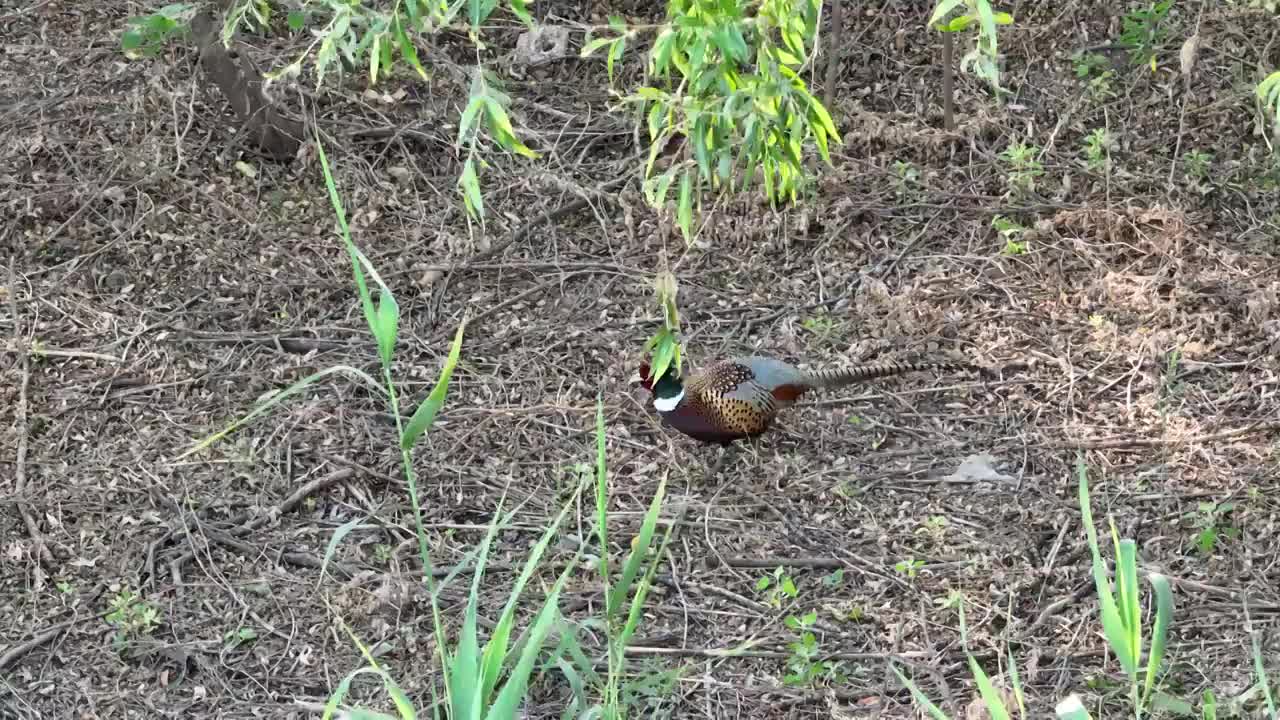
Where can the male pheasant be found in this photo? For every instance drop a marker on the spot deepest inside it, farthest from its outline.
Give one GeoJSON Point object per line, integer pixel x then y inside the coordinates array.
{"type": "Point", "coordinates": [740, 398]}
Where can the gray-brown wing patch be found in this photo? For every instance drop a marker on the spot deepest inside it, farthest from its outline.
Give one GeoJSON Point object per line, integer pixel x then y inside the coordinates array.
{"type": "Point", "coordinates": [730, 392]}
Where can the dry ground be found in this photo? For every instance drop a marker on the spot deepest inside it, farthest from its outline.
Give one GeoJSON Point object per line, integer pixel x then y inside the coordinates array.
{"type": "Point", "coordinates": [167, 291]}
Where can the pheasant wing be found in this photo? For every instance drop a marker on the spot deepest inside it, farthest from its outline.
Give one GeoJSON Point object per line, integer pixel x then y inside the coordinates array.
{"type": "Point", "coordinates": [738, 402]}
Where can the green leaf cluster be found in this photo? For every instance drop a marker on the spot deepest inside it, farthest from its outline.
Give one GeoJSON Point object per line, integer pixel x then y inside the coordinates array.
{"type": "Point", "coordinates": [1144, 31]}
{"type": "Point", "coordinates": [145, 36]}
{"type": "Point", "coordinates": [725, 89]}
{"type": "Point", "coordinates": [486, 98]}
{"type": "Point", "coordinates": [1269, 96]}
{"type": "Point", "coordinates": [665, 344]}
{"type": "Point", "coordinates": [982, 60]}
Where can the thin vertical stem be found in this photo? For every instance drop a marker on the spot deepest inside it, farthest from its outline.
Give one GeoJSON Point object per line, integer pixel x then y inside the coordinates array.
{"type": "Point", "coordinates": [948, 81]}
{"type": "Point", "coordinates": [834, 51]}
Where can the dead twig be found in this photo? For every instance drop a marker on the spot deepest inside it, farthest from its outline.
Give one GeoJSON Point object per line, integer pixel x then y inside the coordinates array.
{"type": "Point", "coordinates": [546, 218]}
{"type": "Point", "coordinates": [244, 524]}
{"type": "Point", "coordinates": [16, 652]}
{"type": "Point", "coordinates": [20, 420]}
{"type": "Point", "coordinates": [1114, 443]}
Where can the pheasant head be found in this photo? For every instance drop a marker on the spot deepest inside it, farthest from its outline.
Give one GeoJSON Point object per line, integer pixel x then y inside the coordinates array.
{"type": "Point", "coordinates": [667, 390]}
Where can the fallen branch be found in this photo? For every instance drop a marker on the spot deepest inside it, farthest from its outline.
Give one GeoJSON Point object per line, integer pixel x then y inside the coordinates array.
{"type": "Point", "coordinates": [16, 652]}
{"type": "Point", "coordinates": [20, 411]}
{"type": "Point", "coordinates": [1114, 443]}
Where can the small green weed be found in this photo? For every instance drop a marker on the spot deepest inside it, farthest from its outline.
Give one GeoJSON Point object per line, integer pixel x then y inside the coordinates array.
{"type": "Point", "coordinates": [233, 639]}
{"type": "Point", "coordinates": [1012, 232]}
{"type": "Point", "coordinates": [906, 180]}
{"type": "Point", "coordinates": [777, 586]}
{"type": "Point", "coordinates": [571, 477]}
{"type": "Point", "coordinates": [132, 617]}
{"type": "Point", "coordinates": [935, 527]}
{"type": "Point", "coordinates": [1196, 164]}
{"type": "Point", "coordinates": [1097, 149]}
{"type": "Point", "coordinates": [1089, 64]}
{"type": "Point", "coordinates": [1212, 523]}
{"type": "Point", "coordinates": [1268, 95]}
{"type": "Point", "coordinates": [1096, 71]}
{"type": "Point", "coordinates": [1171, 387]}
{"type": "Point", "coordinates": [1143, 31]}
{"type": "Point", "coordinates": [821, 325]}
{"type": "Point", "coordinates": [1100, 88]}
{"type": "Point", "coordinates": [1022, 168]}
{"type": "Point", "coordinates": [909, 567]}
{"type": "Point", "coordinates": [803, 667]}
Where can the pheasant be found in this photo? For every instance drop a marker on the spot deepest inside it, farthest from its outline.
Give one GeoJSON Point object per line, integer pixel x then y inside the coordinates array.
{"type": "Point", "coordinates": [739, 398]}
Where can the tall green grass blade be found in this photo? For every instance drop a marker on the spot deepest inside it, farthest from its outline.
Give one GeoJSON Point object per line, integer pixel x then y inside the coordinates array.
{"type": "Point", "coordinates": [1166, 703]}
{"type": "Point", "coordinates": [642, 588]}
{"type": "Point", "coordinates": [920, 698]}
{"type": "Point", "coordinates": [398, 696]}
{"type": "Point", "coordinates": [387, 326]}
{"type": "Point", "coordinates": [1112, 624]}
{"type": "Point", "coordinates": [340, 693]}
{"type": "Point", "coordinates": [640, 551]}
{"type": "Point", "coordinates": [570, 646]}
{"type": "Point", "coordinates": [332, 547]}
{"type": "Point", "coordinates": [425, 416]}
{"type": "Point", "coordinates": [436, 705]}
{"type": "Point", "coordinates": [508, 701]}
{"type": "Point", "coordinates": [1260, 669]}
{"type": "Point", "coordinates": [467, 693]}
{"type": "Point", "coordinates": [1209, 705]}
{"type": "Point", "coordinates": [335, 699]}
{"type": "Point", "coordinates": [990, 698]}
{"type": "Point", "coordinates": [1016, 682]}
{"type": "Point", "coordinates": [602, 506]}
{"type": "Point", "coordinates": [279, 397]}
{"type": "Point", "coordinates": [1159, 633]}
{"type": "Point", "coordinates": [1071, 708]}
{"type": "Point", "coordinates": [379, 319]}
{"type": "Point", "coordinates": [578, 703]}
{"type": "Point", "coordinates": [495, 652]}
{"type": "Point", "coordinates": [1127, 596]}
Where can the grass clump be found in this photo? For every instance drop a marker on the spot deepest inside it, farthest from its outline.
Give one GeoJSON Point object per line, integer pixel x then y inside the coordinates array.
{"type": "Point", "coordinates": [488, 681]}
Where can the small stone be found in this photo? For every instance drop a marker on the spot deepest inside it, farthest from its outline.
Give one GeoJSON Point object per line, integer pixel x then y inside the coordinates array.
{"type": "Point", "coordinates": [430, 278]}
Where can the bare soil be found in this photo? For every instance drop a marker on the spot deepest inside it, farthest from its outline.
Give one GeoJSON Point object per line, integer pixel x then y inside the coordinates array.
{"type": "Point", "coordinates": [166, 291]}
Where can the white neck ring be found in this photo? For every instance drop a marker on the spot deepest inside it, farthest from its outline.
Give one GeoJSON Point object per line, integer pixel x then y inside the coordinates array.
{"type": "Point", "coordinates": [668, 404]}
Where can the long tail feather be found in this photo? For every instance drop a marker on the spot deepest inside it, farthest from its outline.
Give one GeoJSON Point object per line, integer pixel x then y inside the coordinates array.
{"type": "Point", "coordinates": [839, 377]}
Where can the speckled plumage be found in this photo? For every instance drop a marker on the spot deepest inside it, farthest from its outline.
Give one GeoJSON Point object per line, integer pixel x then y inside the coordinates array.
{"type": "Point", "coordinates": [740, 397]}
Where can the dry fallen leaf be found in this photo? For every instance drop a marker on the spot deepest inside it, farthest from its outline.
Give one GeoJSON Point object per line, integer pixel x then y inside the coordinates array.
{"type": "Point", "coordinates": [1188, 55]}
